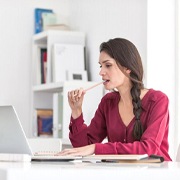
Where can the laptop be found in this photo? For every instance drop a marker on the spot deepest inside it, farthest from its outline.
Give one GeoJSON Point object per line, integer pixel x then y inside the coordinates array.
{"type": "Point", "coordinates": [13, 139]}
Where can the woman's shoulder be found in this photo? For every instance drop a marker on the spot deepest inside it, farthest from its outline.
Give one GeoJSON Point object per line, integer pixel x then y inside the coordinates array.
{"type": "Point", "coordinates": [110, 100]}
{"type": "Point", "coordinates": [154, 95]}
{"type": "Point", "coordinates": [111, 95]}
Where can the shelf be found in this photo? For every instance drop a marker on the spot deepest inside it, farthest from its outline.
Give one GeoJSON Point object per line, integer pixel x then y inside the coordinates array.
{"type": "Point", "coordinates": [43, 36]}
{"type": "Point", "coordinates": [58, 86]}
{"type": "Point", "coordinates": [50, 87]}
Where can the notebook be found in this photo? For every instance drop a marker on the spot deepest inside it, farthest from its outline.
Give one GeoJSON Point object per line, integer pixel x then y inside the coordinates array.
{"type": "Point", "coordinates": [13, 139]}
{"type": "Point", "coordinates": [125, 158]}
{"type": "Point", "coordinates": [114, 157]}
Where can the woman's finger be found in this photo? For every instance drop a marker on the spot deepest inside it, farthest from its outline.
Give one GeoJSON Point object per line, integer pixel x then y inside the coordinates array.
{"type": "Point", "coordinates": [67, 152]}
{"type": "Point", "coordinates": [75, 95]}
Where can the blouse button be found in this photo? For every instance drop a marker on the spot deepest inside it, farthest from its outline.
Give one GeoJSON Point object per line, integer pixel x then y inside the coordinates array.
{"type": "Point", "coordinates": [124, 140]}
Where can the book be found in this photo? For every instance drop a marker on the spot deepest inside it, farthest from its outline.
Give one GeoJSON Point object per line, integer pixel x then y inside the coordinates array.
{"type": "Point", "coordinates": [127, 158]}
{"type": "Point", "coordinates": [43, 52]}
{"type": "Point", "coordinates": [56, 27]}
{"type": "Point", "coordinates": [44, 66]}
{"type": "Point", "coordinates": [44, 125]}
{"type": "Point", "coordinates": [48, 19]}
{"type": "Point", "coordinates": [40, 56]}
{"type": "Point", "coordinates": [38, 24]}
{"type": "Point", "coordinates": [44, 122]}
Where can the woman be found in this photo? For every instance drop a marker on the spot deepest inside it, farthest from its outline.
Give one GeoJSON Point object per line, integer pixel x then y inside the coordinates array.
{"type": "Point", "coordinates": [135, 120]}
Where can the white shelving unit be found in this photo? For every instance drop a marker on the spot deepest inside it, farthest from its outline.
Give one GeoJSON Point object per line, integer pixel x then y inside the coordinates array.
{"type": "Point", "coordinates": [47, 39]}
{"type": "Point", "coordinates": [54, 95]}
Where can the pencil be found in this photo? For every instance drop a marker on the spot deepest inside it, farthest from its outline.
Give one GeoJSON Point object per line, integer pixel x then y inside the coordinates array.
{"type": "Point", "coordinates": [93, 86]}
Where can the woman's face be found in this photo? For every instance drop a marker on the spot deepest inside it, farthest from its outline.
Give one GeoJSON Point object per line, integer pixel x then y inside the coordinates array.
{"type": "Point", "coordinates": [111, 74]}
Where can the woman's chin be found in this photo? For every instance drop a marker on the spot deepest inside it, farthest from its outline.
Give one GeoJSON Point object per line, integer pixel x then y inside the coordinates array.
{"type": "Point", "coordinates": [108, 88]}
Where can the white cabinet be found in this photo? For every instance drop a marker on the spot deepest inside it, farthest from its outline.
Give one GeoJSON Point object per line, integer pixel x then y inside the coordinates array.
{"type": "Point", "coordinates": [53, 95]}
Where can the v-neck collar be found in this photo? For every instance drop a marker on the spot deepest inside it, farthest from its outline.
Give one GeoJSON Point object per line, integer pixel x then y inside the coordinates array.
{"type": "Point", "coordinates": [144, 107]}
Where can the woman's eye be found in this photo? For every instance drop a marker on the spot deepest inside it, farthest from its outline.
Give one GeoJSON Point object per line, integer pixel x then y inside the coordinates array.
{"type": "Point", "coordinates": [108, 65]}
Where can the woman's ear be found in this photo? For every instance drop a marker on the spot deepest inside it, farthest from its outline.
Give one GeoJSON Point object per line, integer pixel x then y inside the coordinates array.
{"type": "Point", "coordinates": [128, 71]}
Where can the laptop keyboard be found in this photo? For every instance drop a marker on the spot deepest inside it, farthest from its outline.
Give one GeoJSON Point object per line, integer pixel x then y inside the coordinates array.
{"type": "Point", "coordinates": [46, 153]}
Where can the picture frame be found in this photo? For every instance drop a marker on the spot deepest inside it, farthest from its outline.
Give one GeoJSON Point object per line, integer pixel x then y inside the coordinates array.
{"type": "Point", "coordinates": [76, 75]}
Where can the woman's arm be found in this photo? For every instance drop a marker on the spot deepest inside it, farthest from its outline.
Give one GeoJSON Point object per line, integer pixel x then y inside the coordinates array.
{"type": "Point", "coordinates": [82, 135]}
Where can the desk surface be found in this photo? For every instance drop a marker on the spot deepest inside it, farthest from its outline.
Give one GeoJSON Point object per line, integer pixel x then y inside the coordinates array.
{"type": "Point", "coordinates": [87, 170]}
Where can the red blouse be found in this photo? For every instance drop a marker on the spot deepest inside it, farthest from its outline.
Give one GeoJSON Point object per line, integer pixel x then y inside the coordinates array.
{"type": "Point", "coordinates": [107, 122]}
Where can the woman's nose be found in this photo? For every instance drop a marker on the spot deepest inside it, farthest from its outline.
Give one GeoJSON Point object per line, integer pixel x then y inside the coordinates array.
{"type": "Point", "coordinates": [101, 72]}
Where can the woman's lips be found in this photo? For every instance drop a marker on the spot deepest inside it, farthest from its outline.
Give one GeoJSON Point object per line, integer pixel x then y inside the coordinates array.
{"type": "Point", "coordinates": [105, 82]}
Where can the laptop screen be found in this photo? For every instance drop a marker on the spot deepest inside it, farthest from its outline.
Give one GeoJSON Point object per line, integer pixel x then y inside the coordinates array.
{"type": "Point", "coordinates": [12, 136]}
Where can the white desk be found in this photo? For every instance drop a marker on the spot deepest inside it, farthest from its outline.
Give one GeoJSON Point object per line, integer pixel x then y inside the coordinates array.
{"type": "Point", "coordinates": [82, 171]}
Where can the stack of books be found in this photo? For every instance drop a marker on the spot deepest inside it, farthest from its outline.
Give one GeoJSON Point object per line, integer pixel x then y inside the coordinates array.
{"type": "Point", "coordinates": [44, 119]}
{"type": "Point", "coordinates": [46, 19]}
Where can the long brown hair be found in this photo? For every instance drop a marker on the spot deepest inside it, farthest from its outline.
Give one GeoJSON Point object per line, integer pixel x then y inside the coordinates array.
{"type": "Point", "coordinates": [126, 55]}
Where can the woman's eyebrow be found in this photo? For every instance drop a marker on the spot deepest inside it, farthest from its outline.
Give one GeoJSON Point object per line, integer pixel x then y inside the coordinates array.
{"type": "Point", "coordinates": [104, 61]}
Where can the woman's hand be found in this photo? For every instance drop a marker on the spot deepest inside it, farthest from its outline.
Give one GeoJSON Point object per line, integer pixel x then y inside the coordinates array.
{"type": "Point", "coordinates": [75, 99]}
{"type": "Point", "coordinates": [81, 151]}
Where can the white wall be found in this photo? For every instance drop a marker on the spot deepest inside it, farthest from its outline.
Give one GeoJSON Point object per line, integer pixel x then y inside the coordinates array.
{"type": "Point", "coordinates": [161, 56]}
{"type": "Point", "coordinates": [104, 19]}
{"type": "Point", "coordinates": [17, 28]}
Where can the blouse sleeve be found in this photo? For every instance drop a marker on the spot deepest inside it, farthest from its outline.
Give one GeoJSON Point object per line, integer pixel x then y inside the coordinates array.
{"type": "Point", "coordinates": [81, 134]}
{"type": "Point", "coordinates": [152, 140]}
